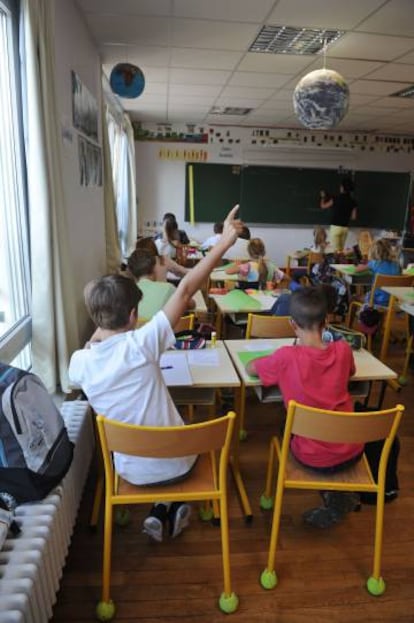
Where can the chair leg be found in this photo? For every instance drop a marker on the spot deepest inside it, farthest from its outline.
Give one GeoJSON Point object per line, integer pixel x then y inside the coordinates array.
{"type": "Point", "coordinates": [387, 330]}
{"type": "Point", "coordinates": [97, 500]}
{"type": "Point", "coordinates": [403, 377]}
{"type": "Point", "coordinates": [375, 583]}
{"type": "Point", "coordinates": [228, 601]}
{"type": "Point", "coordinates": [269, 579]}
{"type": "Point", "coordinates": [105, 609]}
{"type": "Point", "coordinates": [266, 500]}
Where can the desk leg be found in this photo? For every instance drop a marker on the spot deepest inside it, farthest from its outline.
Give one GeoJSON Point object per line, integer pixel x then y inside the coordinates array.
{"type": "Point", "coordinates": [387, 330]}
{"type": "Point", "coordinates": [219, 323]}
{"type": "Point", "coordinates": [235, 458]}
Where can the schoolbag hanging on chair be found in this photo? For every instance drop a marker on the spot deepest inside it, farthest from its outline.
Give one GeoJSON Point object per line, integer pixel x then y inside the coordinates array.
{"type": "Point", "coordinates": [35, 450]}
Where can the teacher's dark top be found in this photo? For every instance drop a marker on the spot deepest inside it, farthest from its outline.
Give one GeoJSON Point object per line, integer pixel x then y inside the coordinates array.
{"type": "Point", "coordinates": [341, 209]}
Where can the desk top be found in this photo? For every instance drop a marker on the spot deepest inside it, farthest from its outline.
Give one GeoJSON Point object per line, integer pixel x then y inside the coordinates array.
{"type": "Point", "coordinates": [402, 293]}
{"type": "Point", "coordinates": [238, 301]}
{"type": "Point", "coordinates": [209, 367]}
{"type": "Point", "coordinates": [350, 269]}
{"type": "Point", "coordinates": [368, 367]}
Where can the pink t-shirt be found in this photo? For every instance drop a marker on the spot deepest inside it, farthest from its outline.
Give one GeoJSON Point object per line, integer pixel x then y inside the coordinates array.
{"type": "Point", "coordinates": [317, 378]}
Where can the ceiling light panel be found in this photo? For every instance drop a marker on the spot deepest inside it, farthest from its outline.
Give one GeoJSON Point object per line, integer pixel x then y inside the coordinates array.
{"type": "Point", "coordinates": [293, 40]}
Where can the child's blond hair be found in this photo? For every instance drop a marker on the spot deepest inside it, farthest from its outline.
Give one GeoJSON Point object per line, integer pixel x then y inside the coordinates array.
{"type": "Point", "coordinates": [320, 237]}
{"type": "Point", "coordinates": [381, 250]}
{"type": "Point", "coordinates": [257, 251]}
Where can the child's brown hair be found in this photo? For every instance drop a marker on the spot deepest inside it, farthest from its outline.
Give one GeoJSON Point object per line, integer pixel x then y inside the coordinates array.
{"type": "Point", "coordinates": [141, 262]}
{"type": "Point", "coordinates": [257, 251]}
{"type": "Point", "coordinates": [110, 300]}
{"type": "Point", "coordinates": [320, 237]}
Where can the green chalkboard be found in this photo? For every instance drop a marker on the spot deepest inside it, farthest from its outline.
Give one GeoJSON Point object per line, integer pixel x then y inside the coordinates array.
{"type": "Point", "coordinates": [216, 189]}
{"type": "Point", "coordinates": [382, 199]}
{"type": "Point", "coordinates": [290, 195]}
{"type": "Point", "coordinates": [286, 195]}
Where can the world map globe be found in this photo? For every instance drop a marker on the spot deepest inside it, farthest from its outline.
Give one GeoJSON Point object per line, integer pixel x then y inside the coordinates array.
{"type": "Point", "coordinates": [321, 99]}
{"type": "Point", "coordinates": [127, 80]}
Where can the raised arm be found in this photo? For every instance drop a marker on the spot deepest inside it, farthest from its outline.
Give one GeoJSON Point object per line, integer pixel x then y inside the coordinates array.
{"type": "Point", "coordinates": [325, 201]}
{"type": "Point", "coordinates": [193, 280]}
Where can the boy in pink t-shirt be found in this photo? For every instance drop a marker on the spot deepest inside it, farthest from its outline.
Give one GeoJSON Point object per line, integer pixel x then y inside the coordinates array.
{"type": "Point", "coordinates": [316, 374]}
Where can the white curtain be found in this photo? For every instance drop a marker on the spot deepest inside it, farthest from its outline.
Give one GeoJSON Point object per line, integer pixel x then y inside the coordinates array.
{"type": "Point", "coordinates": [113, 251]}
{"type": "Point", "coordinates": [55, 330]}
{"type": "Point", "coordinates": [121, 139]}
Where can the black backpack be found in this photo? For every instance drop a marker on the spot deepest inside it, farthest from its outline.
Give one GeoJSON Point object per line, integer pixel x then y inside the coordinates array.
{"type": "Point", "coordinates": [35, 451]}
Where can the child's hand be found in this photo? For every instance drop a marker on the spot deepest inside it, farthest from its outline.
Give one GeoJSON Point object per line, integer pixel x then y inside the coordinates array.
{"type": "Point", "coordinates": [232, 226]}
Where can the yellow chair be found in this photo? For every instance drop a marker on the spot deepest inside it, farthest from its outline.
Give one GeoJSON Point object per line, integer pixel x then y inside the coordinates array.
{"type": "Point", "coordinates": [186, 323]}
{"type": "Point", "coordinates": [314, 258]}
{"type": "Point", "coordinates": [269, 326]}
{"type": "Point", "coordinates": [330, 426]}
{"type": "Point", "coordinates": [206, 482]}
{"type": "Point", "coordinates": [380, 280]}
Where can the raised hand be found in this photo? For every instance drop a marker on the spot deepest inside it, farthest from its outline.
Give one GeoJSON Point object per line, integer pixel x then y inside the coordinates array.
{"type": "Point", "coordinates": [232, 226]}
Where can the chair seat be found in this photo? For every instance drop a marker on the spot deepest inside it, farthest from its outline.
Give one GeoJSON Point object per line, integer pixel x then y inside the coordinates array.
{"type": "Point", "coordinates": [357, 474]}
{"type": "Point", "coordinates": [201, 480]}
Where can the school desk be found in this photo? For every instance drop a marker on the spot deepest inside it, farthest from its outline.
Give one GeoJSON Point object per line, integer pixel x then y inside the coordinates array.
{"type": "Point", "coordinates": [211, 368]}
{"type": "Point", "coordinates": [295, 256]}
{"type": "Point", "coordinates": [240, 302]}
{"type": "Point", "coordinates": [368, 369]}
{"type": "Point", "coordinates": [405, 296]}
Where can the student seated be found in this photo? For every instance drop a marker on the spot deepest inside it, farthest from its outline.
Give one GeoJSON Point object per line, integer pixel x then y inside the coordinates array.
{"type": "Point", "coordinates": [120, 374]}
{"type": "Point", "coordinates": [239, 249]}
{"type": "Point", "coordinates": [257, 271]}
{"type": "Point", "coordinates": [320, 240]}
{"type": "Point", "coordinates": [182, 235]}
{"type": "Point", "coordinates": [164, 264]}
{"type": "Point", "coordinates": [316, 374]}
{"type": "Point", "coordinates": [142, 266]}
{"type": "Point", "coordinates": [381, 260]}
{"type": "Point", "coordinates": [212, 240]}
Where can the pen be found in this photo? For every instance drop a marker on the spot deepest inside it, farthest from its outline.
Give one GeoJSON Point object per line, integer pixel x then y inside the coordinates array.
{"type": "Point", "coordinates": [166, 367]}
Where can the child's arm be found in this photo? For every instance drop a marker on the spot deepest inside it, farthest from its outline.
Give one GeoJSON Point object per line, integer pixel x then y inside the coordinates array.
{"type": "Point", "coordinates": [178, 303]}
{"type": "Point", "coordinates": [251, 367]}
{"type": "Point", "coordinates": [325, 201]}
{"type": "Point", "coordinates": [234, 269]}
{"type": "Point", "coordinates": [361, 268]}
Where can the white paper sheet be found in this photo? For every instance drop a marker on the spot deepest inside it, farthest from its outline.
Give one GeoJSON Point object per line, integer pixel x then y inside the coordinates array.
{"type": "Point", "coordinates": [175, 369]}
{"type": "Point", "coordinates": [204, 357]}
{"type": "Point", "coordinates": [257, 345]}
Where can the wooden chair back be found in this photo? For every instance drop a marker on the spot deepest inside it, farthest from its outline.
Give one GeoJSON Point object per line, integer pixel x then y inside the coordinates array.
{"type": "Point", "coordinates": [269, 326]}
{"type": "Point", "coordinates": [186, 323]}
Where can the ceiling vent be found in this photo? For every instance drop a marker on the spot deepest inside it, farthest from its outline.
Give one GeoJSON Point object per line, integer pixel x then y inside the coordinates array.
{"type": "Point", "coordinates": [293, 40]}
{"type": "Point", "coordinates": [407, 92]}
{"type": "Point", "coordinates": [229, 110]}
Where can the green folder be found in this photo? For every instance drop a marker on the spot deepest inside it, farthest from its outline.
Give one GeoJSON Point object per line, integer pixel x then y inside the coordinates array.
{"type": "Point", "coordinates": [409, 271]}
{"type": "Point", "coordinates": [246, 356]}
{"type": "Point", "coordinates": [237, 299]}
{"type": "Point", "coordinates": [350, 270]}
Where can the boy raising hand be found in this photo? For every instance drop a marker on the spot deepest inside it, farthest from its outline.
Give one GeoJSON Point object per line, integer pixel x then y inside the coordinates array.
{"type": "Point", "coordinates": [120, 374]}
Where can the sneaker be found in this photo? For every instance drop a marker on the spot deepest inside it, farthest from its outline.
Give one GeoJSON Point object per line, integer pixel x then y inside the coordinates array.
{"type": "Point", "coordinates": [321, 517]}
{"type": "Point", "coordinates": [178, 517]}
{"type": "Point", "coordinates": [153, 525]}
{"type": "Point", "coordinates": [341, 502]}
{"type": "Point", "coordinates": [371, 498]}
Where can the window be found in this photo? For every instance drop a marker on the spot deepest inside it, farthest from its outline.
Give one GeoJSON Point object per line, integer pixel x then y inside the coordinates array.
{"type": "Point", "coordinates": [15, 321]}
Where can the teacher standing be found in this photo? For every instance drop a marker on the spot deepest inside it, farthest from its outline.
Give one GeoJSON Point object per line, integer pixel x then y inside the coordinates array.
{"type": "Point", "coordinates": [343, 209]}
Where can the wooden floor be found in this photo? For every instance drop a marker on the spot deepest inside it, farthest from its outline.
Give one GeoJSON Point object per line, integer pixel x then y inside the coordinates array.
{"type": "Point", "coordinates": [322, 573]}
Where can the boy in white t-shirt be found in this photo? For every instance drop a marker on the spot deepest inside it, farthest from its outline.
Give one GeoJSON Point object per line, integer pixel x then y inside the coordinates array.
{"type": "Point", "coordinates": [119, 371]}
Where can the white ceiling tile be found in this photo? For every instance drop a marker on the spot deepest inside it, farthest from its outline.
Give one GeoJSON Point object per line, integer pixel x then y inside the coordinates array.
{"type": "Point", "coordinates": [186, 116]}
{"type": "Point", "coordinates": [239, 101]}
{"type": "Point", "coordinates": [277, 63]}
{"type": "Point", "coordinates": [204, 59]}
{"type": "Point", "coordinates": [210, 34]}
{"type": "Point", "coordinates": [198, 89]}
{"type": "Point", "coordinates": [278, 106]}
{"type": "Point", "coordinates": [407, 58]}
{"type": "Point", "coordinates": [283, 94]}
{"type": "Point", "coordinates": [396, 102]}
{"type": "Point", "coordinates": [252, 92]}
{"type": "Point", "coordinates": [357, 99]}
{"type": "Point", "coordinates": [180, 98]}
{"type": "Point", "coordinates": [142, 30]}
{"type": "Point", "coordinates": [396, 18]}
{"type": "Point", "coordinates": [228, 10]}
{"type": "Point", "coordinates": [340, 14]}
{"type": "Point", "coordinates": [346, 67]}
{"type": "Point", "coordinates": [370, 47]}
{"type": "Point", "coordinates": [199, 76]}
{"type": "Point", "coordinates": [376, 87]}
{"type": "Point", "coordinates": [224, 119]}
{"type": "Point", "coordinates": [257, 79]}
{"type": "Point", "coordinates": [143, 56]}
{"type": "Point", "coordinates": [127, 7]}
{"type": "Point", "coordinates": [394, 71]}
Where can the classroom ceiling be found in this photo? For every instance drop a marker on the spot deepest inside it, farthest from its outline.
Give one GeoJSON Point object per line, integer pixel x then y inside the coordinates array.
{"type": "Point", "coordinates": [195, 55]}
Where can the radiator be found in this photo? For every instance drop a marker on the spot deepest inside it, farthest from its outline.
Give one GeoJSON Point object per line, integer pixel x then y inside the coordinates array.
{"type": "Point", "coordinates": [31, 564]}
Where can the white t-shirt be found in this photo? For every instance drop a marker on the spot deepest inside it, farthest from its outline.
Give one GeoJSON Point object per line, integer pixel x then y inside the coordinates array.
{"type": "Point", "coordinates": [122, 379]}
{"type": "Point", "coordinates": [210, 242]}
{"type": "Point", "coordinates": [164, 247]}
{"type": "Point", "coordinates": [238, 251]}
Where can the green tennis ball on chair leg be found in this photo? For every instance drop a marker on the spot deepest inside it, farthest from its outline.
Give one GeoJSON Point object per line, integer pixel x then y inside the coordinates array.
{"type": "Point", "coordinates": [402, 380]}
{"type": "Point", "coordinates": [105, 610]}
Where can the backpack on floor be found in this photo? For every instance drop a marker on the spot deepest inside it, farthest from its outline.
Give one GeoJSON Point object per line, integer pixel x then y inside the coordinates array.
{"type": "Point", "coordinates": [35, 451]}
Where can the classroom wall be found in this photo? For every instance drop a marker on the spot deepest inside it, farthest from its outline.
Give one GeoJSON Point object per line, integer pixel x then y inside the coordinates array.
{"type": "Point", "coordinates": [75, 50]}
{"type": "Point", "coordinates": [161, 181]}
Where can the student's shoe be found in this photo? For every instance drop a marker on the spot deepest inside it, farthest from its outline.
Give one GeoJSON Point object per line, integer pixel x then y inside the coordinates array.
{"type": "Point", "coordinates": [371, 498]}
{"type": "Point", "coordinates": [154, 524]}
{"type": "Point", "coordinates": [179, 517]}
{"type": "Point", "coordinates": [342, 502]}
{"type": "Point", "coordinates": [321, 517]}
